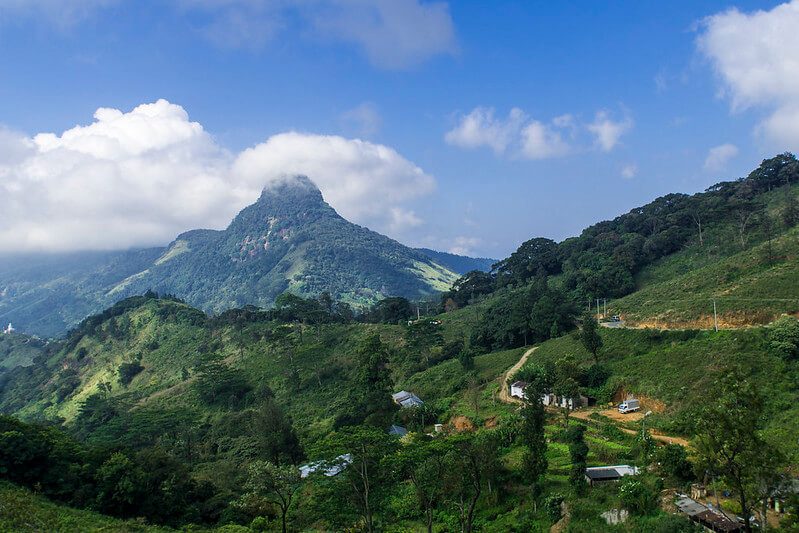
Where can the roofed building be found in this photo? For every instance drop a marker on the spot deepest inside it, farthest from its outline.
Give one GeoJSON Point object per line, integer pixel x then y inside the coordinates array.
{"type": "Point", "coordinates": [406, 399]}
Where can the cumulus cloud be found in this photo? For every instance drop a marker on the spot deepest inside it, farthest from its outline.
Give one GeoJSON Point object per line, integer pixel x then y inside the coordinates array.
{"type": "Point", "coordinates": [754, 55]}
{"type": "Point", "coordinates": [541, 141]}
{"type": "Point", "coordinates": [518, 135]}
{"type": "Point", "coordinates": [607, 132]}
{"type": "Point", "coordinates": [481, 128]}
{"type": "Point", "coordinates": [364, 181]}
{"type": "Point", "coordinates": [139, 178]}
{"type": "Point", "coordinates": [718, 157]}
{"type": "Point", "coordinates": [393, 34]}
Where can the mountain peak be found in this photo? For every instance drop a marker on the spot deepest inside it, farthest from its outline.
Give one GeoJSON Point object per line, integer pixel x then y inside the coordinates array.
{"type": "Point", "coordinates": [290, 187]}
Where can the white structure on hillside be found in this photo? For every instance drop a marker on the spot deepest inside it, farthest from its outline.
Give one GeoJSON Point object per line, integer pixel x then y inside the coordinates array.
{"type": "Point", "coordinates": [517, 389]}
{"type": "Point", "coordinates": [549, 398]}
{"type": "Point", "coordinates": [326, 468]}
{"type": "Point", "coordinates": [406, 399]}
{"type": "Point", "coordinates": [9, 329]}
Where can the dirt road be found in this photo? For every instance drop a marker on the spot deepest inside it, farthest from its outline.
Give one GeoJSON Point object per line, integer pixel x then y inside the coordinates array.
{"type": "Point", "coordinates": [504, 392]}
{"type": "Point", "coordinates": [615, 416]}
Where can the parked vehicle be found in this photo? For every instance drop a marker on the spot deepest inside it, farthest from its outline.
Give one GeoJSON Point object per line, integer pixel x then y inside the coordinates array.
{"type": "Point", "coordinates": [630, 405]}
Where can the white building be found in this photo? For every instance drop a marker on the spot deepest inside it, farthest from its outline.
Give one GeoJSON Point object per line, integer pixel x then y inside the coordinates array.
{"type": "Point", "coordinates": [9, 329]}
{"type": "Point", "coordinates": [517, 389]}
{"type": "Point", "coordinates": [328, 469]}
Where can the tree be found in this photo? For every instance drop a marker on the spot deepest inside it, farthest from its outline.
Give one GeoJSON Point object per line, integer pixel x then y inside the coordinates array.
{"type": "Point", "coordinates": [424, 463]}
{"type": "Point", "coordinates": [534, 463]}
{"type": "Point", "coordinates": [271, 484]}
{"type": "Point", "coordinates": [275, 435]}
{"type": "Point", "coordinates": [392, 310]}
{"type": "Point", "coordinates": [784, 337]}
{"type": "Point", "coordinates": [729, 443]}
{"type": "Point", "coordinates": [566, 386]}
{"type": "Point", "coordinates": [589, 335]}
{"type": "Point", "coordinates": [532, 256]}
{"type": "Point", "coordinates": [466, 359]}
{"type": "Point", "coordinates": [119, 485]}
{"type": "Point", "coordinates": [674, 462]}
{"type": "Point", "coordinates": [367, 473]}
{"type": "Point", "coordinates": [638, 497]}
{"type": "Point", "coordinates": [370, 396]}
{"type": "Point", "coordinates": [578, 452]}
{"type": "Point", "coordinates": [127, 371]}
{"type": "Point", "coordinates": [472, 466]}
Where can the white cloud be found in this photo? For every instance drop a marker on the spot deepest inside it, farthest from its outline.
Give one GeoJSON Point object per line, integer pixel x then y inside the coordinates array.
{"type": "Point", "coordinates": [607, 132]}
{"type": "Point", "coordinates": [393, 34]}
{"type": "Point", "coordinates": [629, 171]}
{"type": "Point", "coordinates": [540, 141]}
{"type": "Point", "coordinates": [754, 55]}
{"type": "Point", "coordinates": [464, 245]}
{"type": "Point", "coordinates": [521, 136]}
{"type": "Point", "coordinates": [482, 128]}
{"type": "Point", "coordinates": [364, 118]}
{"type": "Point", "coordinates": [362, 180]}
{"type": "Point", "coordinates": [140, 178]}
{"type": "Point", "coordinates": [718, 157]}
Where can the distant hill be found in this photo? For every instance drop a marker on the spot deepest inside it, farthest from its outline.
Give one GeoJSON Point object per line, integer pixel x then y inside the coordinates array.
{"type": "Point", "coordinates": [290, 239]}
{"type": "Point", "coordinates": [460, 264]}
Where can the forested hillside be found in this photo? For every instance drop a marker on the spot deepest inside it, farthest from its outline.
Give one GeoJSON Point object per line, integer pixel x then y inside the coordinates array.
{"type": "Point", "coordinates": [735, 243]}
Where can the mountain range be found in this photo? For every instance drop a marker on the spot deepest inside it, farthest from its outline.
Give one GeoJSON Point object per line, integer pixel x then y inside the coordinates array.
{"type": "Point", "coordinates": [290, 239]}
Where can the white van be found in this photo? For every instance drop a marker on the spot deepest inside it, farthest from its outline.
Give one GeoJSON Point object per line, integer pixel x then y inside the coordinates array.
{"type": "Point", "coordinates": [630, 405]}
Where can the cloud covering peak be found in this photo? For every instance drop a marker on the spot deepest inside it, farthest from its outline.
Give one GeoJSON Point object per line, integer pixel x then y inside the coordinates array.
{"type": "Point", "coordinates": [139, 178]}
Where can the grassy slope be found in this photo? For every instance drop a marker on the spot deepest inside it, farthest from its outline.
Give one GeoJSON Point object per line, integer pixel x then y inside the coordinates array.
{"type": "Point", "coordinates": [750, 287]}
{"type": "Point", "coordinates": [20, 510]}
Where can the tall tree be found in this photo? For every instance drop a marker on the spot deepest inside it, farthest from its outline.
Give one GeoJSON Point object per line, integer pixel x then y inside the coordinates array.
{"type": "Point", "coordinates": [729, 441]}
{"type": "Point", "coordinates": [534, 463]}
{"type": "Point", "coordinates": [424, 463]}
{"type": "Point", "coordinates": [578, 452]}
{"type": "Point", "coordinates": [472, 468]}
{"type": "Point", "coordinates": [366, 474]}
{"type": "Point", "coordinates": [271, 484]}
{"type": "Point", "coordinates": [370, 397]}
{"type": "Point", "coordinates": [589, 335]}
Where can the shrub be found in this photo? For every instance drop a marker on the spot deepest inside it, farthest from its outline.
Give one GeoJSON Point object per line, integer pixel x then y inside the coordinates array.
{"type": "Point", "coordinates": [637, 496]}
{"type": "Point", "coordinates": [674, 462]}
{"type": "Point", "coordinates": [127, 371]}
{"type": "Point", "coordinates": [552, 505]}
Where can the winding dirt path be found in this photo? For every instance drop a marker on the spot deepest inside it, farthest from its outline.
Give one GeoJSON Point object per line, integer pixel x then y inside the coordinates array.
{"type": "Point", "coordinates": [504, 393]}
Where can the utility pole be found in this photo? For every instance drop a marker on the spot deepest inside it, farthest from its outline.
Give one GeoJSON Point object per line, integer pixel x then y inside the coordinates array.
{"type": "Point", "coordinates": [715, 316]}
{"type": "Point", "coordinates": [605, 307]}
{"type": "Point", "coordinates": [418, 314]}
{"type": "Point", "coordinates": [597, 308]}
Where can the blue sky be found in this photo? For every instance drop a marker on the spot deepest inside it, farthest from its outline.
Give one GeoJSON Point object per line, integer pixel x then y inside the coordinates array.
{"type": "Point", "coordinates": [502, 120]}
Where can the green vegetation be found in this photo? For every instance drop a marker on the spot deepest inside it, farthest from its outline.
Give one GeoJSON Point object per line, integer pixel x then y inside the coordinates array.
{"type": "Point", "coordinates": [155, 410]}
{"type": "Point", "coordinates": [669, 259]}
